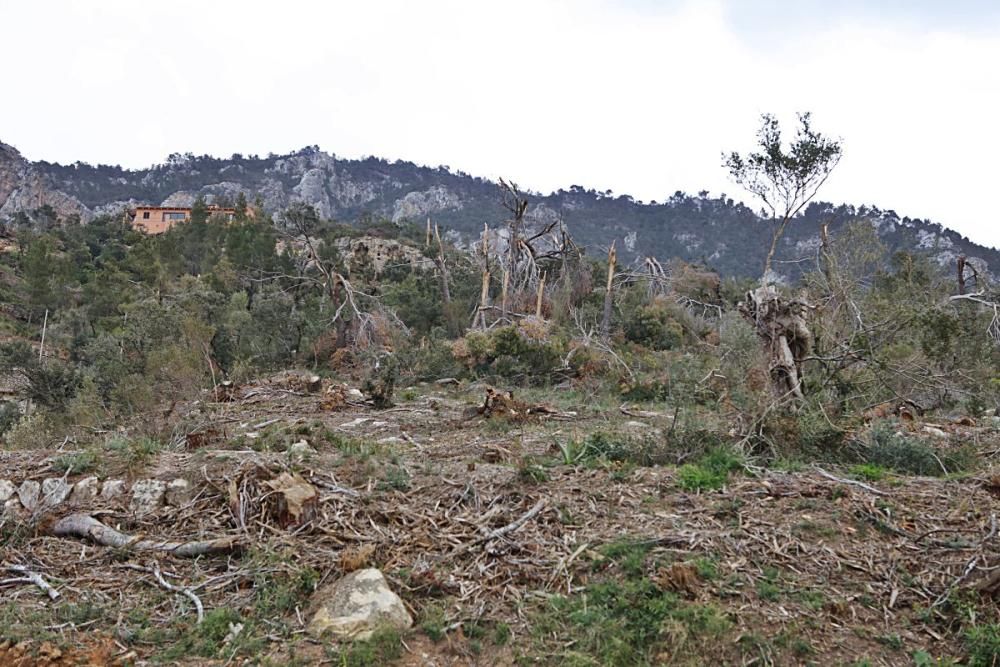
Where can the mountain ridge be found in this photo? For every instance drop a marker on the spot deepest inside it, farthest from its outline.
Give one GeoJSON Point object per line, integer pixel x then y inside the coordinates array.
{"type": "Point", "coordinates": [719, 231]}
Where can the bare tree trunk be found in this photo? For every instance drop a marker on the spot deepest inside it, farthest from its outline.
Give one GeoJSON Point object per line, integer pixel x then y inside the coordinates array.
{"type": "Point", "coordinates": [538, 299]}
{"type": "Point", "coordinates": [961, 274]}
{"type": "Point", "coordinates": [480, 320]}
{"type": "Point", "coordinates": [445, 290]}
{"type": "Point", "coordinates": [503, 293]}
{"type": "Point", "coordinates": [826, 262]}
{"type": "Point", "coordinates": [608, 294]}
{"type": "Point", "coordinates": [774, 246]}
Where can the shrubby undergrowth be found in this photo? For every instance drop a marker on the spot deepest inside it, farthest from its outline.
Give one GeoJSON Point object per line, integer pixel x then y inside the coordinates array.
{"type": "Point", "coordinates": [134, 323]}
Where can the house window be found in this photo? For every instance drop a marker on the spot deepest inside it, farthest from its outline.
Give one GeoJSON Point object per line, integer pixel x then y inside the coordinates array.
{"type": "Point", "coordinates": [145, 215]}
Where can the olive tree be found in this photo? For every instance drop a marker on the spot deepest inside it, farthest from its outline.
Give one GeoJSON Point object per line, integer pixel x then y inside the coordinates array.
{"type": "Point", "coordinates": [784, 178]}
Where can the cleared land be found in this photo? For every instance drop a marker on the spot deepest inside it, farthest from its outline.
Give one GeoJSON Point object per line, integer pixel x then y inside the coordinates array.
{"type": "Point", "coordinates": [513, 539]}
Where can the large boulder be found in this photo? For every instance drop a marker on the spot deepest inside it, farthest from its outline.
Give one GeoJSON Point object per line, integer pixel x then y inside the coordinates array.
{"type": "Point", "coordinates": [356, 605]}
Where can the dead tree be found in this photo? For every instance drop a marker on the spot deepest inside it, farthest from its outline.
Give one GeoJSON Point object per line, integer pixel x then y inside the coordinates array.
{"type": "Point", "coordinates": [516, 204]}
{"type": "Point", "coordinates": [354, 324]}
{"type": "Point", "coordinates": [521, 262]}
{"type": "Point", "coordinates": [442, 266]}
{"type": "Point", "coordinates": [479, 317]}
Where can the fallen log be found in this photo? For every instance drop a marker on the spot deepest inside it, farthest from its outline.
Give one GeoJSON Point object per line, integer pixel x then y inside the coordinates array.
{"type": "Point", "coordinates": [87, 527]}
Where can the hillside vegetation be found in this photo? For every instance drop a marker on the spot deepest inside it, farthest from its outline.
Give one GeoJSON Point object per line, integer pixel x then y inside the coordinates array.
{"type": "Point", "coordinates": [553, 455]}
{"type": "Point", "coordinates": [683, 503]}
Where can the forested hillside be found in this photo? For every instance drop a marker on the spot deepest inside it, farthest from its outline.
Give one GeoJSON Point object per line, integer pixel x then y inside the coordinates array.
{"type": "Point", "coordinates": [716, 231]}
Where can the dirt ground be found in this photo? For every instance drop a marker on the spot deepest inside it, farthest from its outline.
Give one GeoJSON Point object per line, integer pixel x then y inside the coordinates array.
{"type": "Point", "coordinates": [807, 566]}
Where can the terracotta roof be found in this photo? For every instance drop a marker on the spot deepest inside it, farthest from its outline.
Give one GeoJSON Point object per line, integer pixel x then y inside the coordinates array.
{"type": "Point", "coordinates": [184, 208]}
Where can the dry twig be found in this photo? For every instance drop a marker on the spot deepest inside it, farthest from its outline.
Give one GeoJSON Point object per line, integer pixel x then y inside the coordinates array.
{"type": "Point", "coordinates": [29, 577]}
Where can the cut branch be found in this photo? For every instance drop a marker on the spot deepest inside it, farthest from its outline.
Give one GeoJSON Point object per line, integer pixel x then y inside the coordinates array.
{"type": "Point", "coordinates": [87, 527]}
{"type": "Point", "coordinates": [29, 577]}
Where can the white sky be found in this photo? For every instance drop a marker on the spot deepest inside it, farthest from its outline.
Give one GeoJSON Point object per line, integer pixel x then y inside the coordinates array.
{"type": "Point", "coordinates": [638, 96]}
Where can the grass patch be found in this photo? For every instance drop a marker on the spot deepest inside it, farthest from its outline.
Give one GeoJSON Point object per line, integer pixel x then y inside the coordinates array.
{"type": "Point", "coordinates": [433, 622]}
{"type": "Point", "coordinates": [983, 644]}
{"type": "Point", "coordinates": [76, 462]}
{"type": "Point", "coordinates": [134, 452]}
{"type": "Point", "coordinates": [711, 472]}
{"type": "Point", "coordinates": [529, 471]}
{"type": "Point", "coordinates": [382, 648]}
{"type": "Point", "coordinates": [868, 471]}
{"type": "Point", "coordinates": [205, 640]}
{"type": "Point", "coordinates": [625, 623]}
{"type": "Point", "coordinates": [767, 586]}
{"type": "Point", "coordinates": [623, 620]}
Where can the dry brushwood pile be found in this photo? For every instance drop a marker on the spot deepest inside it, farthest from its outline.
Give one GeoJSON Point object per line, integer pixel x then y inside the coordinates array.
{"type": "Point", "coordinates": [484, 527]}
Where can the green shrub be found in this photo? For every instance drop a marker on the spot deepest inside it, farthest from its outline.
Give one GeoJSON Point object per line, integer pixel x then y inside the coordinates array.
{"type": "Point", "coordinates": [135, 451]}
{"type": "Point", "coordinates": [528, 352]}
{"type": "Point", "coordinates": [655, 327]}
{"type": "Point", "coordinates": [9, 414]}
{"type": "Point", "coordinates": [75, 463]}
{"type": "Point", "coordinates": [898, 452]}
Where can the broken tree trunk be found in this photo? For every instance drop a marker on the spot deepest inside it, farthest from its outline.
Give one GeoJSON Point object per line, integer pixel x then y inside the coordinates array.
{"type": "Point", "coordinates": [442, 265]}
{"type": "Point", "coordinates": [484, 296]}
{"type": "Point", "coordinates": [504, 293]}
{"type": "Point", "coordinates": [780, 324]}
{"type": "Point", "coordinates": [538, 299]}
{"type": "Point", "coordinates": [608, 294]}
{"type": "Point", "coordinates": [87, 527]}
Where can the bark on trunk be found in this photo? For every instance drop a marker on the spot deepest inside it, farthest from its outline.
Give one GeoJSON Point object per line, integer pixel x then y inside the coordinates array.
{"type": "Point", "coordinates": [781, 325]}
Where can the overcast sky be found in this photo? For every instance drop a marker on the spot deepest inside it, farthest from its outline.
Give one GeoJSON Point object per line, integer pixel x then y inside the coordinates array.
{"type": "Point", "coordinates": [637, 96]}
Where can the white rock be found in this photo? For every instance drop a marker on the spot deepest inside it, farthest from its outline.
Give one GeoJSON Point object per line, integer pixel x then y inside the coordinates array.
{"type": "Point", "coordinates": [113, 488]}
{"type": "Point", "coordinates": [55, 491]}
{"type": "Point", "coordinates": [300, 450]}
{"type": "Point", "coordinates": [355, 605]}
{"type": "Point", "coordinates": [356, 422]}
{"type": "Point", "coordinates": [84, 491]}
{"type": "Point", "coordinates": [178, 492]}
{"type": "Point", "coordinates": [7, 490]}
{"type": "Point", "coordinates": [12, 509]}
{"type": "Point", "coordinates": [147, 496]}
{"type": "Point", "coordinates": [28, 493]}
{"type": "Point", "coordinates": [936, 432]}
